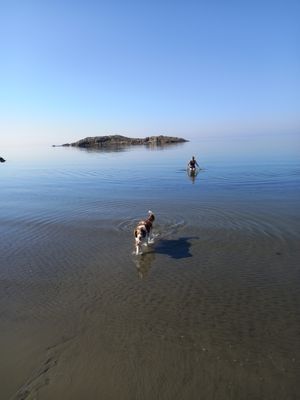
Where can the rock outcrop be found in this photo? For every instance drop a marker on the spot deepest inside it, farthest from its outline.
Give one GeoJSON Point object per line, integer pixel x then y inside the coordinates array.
{"type": "Point", "coordinates": [2, 159]}
{"type": "Point", "coordinates": [118, 140]}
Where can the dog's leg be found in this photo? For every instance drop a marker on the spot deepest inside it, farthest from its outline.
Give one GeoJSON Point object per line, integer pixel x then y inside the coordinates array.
{"type": "Point", "coordinates": [138, 248]}
{"type": "Point", "coordinates": [146, 242]}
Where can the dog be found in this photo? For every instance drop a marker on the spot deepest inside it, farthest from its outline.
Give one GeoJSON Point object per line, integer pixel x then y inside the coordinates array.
{"type": "Point", "coordinates": [143, 233]}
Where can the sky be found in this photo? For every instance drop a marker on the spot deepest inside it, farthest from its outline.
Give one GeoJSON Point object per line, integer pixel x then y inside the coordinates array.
{"type": "Point", "coordinates": [71, 69]}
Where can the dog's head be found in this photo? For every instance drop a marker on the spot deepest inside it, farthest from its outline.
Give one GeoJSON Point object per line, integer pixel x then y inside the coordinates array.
{"type": "Point", "coordinates": [151, 216]}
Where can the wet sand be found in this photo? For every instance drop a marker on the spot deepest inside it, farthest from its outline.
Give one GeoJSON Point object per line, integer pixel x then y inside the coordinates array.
{"type": "Point", "coordinates": [206, 312]}
{"type": "Point", "coordinates": [210, 311]}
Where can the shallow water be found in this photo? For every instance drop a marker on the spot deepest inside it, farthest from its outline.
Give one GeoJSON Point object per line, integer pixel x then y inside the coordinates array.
{"type": "Point", "coordinates": [210, 310]}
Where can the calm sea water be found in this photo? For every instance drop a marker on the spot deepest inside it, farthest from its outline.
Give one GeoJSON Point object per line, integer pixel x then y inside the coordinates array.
{"type": "Point", "coordinates": [211, 310]}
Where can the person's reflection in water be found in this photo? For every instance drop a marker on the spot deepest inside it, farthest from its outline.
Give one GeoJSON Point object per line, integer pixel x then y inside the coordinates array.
{"type": "Point", "coordinates": [143, 263]}
{"type": "Point", "coordinates": [192, 174]}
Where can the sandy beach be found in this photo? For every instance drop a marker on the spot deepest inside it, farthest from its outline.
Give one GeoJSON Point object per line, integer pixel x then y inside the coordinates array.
{"type": "Point", "coordinates": [86, 319]}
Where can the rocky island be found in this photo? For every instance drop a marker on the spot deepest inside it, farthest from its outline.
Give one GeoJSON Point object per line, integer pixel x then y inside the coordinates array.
{"type": "Point", "coordinates": [2, 159]}
{"type": "Point", "coordinates": [118, 140]}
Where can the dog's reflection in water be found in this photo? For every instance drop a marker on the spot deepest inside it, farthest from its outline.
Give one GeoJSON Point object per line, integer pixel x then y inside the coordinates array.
{"type": "Point", "coordinates": [143, 263]}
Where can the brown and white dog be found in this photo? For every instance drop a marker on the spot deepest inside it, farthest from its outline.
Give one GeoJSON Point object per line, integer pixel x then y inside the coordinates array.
{"type": "Point", "coordinates": [142, 233]}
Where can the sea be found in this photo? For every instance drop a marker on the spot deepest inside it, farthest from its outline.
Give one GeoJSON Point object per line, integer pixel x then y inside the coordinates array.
{"type": "Point", "coordinates": [210, 310]}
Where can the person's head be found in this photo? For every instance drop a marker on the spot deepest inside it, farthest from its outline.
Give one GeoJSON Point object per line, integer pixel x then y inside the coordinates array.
{"type": "Point", "coordinates": [193, 158]}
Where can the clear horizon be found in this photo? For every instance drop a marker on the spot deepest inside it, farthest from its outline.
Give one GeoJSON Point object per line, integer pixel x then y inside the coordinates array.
{"type": "Point", "coordinates": [189, 69]}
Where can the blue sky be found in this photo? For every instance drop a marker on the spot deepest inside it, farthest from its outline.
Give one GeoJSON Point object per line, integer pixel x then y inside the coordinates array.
{"type": "Point", "coordinates": [72, 69]}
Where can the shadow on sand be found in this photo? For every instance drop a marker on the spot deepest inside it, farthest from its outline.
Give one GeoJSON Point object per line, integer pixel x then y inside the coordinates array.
{"type": "Point", "coordinates": [175, 248]}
